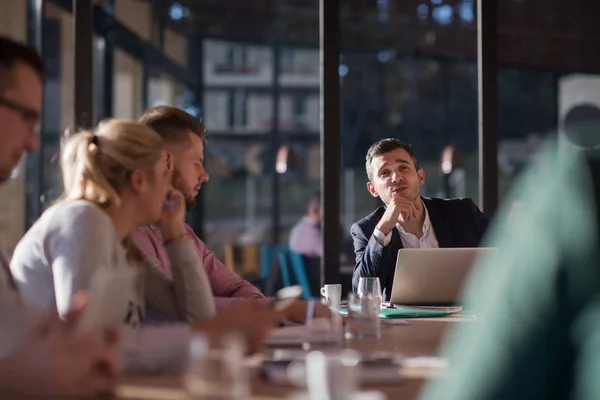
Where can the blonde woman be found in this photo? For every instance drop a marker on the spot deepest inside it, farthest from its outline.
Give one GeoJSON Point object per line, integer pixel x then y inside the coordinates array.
{"type": "Point", "coordinates": [115, 179]}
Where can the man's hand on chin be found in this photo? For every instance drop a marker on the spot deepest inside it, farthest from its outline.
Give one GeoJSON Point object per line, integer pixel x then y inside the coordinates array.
{"type": "Point", "coordinates": [398, 210]}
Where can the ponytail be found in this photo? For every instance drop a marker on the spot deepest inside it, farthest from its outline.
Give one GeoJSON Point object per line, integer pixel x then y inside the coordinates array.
{"type": "Point", "coordinates": [82, 174]}
{"type": "Point", "coordinates": [96, 166]}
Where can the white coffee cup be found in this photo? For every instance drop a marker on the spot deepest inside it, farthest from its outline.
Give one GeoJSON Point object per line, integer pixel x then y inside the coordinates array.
{"type": "Point", "coordinates": [332, 292]}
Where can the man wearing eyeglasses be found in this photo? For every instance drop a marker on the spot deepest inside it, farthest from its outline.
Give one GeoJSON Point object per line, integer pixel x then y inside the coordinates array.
{"type": "Point", "coordinates": [39, 355]}
{"type": "Point", "coordinates": [20, 104]}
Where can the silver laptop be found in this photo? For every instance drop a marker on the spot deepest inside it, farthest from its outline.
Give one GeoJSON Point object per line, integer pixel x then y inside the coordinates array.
{"type": "Point", "coordinates": [432, 276]}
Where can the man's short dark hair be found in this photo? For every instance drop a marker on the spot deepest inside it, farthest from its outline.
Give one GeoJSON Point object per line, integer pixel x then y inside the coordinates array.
{"type": "Point", "coordinates": [173, 124]}
{"type": "Point", "coordinates": [11, 54]}
{"type": "Point", "coordinates": [385, 146]}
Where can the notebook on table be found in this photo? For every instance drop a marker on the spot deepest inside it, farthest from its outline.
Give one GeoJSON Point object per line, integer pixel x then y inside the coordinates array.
{"type": "Point", "coordinates": [411, 312]}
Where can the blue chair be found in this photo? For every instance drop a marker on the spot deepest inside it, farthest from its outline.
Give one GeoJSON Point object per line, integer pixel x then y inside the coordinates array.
{"type": "Point", "coordinates": [290, 264]}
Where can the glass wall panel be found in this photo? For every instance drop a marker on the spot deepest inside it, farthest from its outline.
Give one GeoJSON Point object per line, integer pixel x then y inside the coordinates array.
{"type": "Point", "coordinates": [408, 71]}
{"type": "Point", "coordinates": [128, 86]}
{"type": "Point", "coordinates": [548, 65]}
{"type": "Point", "coordinates": [58, 100]}
{"type": "Point", "coordinates": [237, 200]}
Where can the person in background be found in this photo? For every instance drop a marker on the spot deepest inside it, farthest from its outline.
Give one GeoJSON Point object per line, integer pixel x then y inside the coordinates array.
{"type": "Point", "coordinates": [537, 299]}
{"type": "Point", "coordinates": [184, 137]}
{"type": "Point", "coordinates": [40, 355]}
{"type": "Point", "coordinates": [406, 220]}
{"type": "Point", "coordinates": [454, 175]}
{"type": "Point", "coordinates": [306, 236]}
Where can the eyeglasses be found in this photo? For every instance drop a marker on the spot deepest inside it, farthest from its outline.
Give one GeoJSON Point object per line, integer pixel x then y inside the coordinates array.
{"type": "Point", "coordinates": [29, 116]}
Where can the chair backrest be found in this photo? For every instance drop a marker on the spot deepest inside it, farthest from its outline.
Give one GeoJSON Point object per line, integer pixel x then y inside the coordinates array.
{"type": "Point", "coordinates": [267, 255]}
{"type": "Point", "coordinates": [290, 264]}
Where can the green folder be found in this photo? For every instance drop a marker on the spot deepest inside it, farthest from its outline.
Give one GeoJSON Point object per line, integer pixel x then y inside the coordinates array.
{"type": "Point", "coordinates": [408, 312]}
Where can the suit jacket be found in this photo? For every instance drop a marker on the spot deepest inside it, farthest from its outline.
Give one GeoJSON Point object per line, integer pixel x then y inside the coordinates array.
{"type": "Point", "coordinates": [456, 223]}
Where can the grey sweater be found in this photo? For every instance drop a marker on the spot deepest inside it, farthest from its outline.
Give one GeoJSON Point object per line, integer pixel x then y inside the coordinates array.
{"type": "Point", "coordinates": [145, 350]}
{"type": "Point", "coordinates": [150, 349]}
{"type": "Point", "coordinates": [73, 239]}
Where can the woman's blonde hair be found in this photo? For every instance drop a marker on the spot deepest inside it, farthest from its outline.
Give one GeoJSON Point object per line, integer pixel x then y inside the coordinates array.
{"type": "Point", "coordinates": [96, 165]}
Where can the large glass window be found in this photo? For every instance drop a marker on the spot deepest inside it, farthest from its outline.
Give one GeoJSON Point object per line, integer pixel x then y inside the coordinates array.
{"type": "Point", "coordinates": [128, 89]}
{"type": "Point", "coordinates": [251, 71]}
{"type": "Point", "coordinates": [239, 83]}
{"type": "Point", "coordinates": [408, 71]}
{"type": "Point", "coordinates": [547, 66]}
{"type": "Point", "coordinates": [238, 199]}
{"type": "Point", "coordinates": [138, 17]}
{"type": "Point", "coordinates": [59, 103]}
{"type": "Point", "coordinates": [238, 114]}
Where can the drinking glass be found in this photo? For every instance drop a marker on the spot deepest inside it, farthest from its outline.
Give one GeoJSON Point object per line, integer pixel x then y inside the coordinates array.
{"type": "Point", "coordinates": [323, 331]}
{"type": "Point", "coordinates": [363, 317]}
{"type": "Point", "coordinates": [332, 376]}
{"type": "Point", "coordinates": [216, 369]}
{"type": "Point", "coordinates": [370, 286]}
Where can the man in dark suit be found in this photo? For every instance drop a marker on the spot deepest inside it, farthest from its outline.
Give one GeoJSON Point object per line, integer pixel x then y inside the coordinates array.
{"type": "Point", "coordinates": [407, 220]}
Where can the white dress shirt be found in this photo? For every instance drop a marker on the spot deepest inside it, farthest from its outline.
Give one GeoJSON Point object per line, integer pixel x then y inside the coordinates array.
{"type": "Point", "coordinates": [428, 239]}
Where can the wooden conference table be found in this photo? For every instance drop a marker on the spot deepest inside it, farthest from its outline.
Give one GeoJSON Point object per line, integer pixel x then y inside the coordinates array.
{"type": "Point", "coordinates": [420, 337]}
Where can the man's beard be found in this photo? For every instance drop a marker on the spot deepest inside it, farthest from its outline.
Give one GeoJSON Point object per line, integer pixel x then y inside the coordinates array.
{"type": "Point", "coordinates": [179, 184]}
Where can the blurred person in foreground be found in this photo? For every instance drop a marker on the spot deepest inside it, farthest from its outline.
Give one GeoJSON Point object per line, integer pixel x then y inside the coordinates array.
{"type": "Point", "coordinates": [184, 138]}
{"type": "Point", "coordinates": [406, 220]}
{"type": "Point", "coordinates": [537, 299]}
{"type": "Point", "coordinates": [40, 355]}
